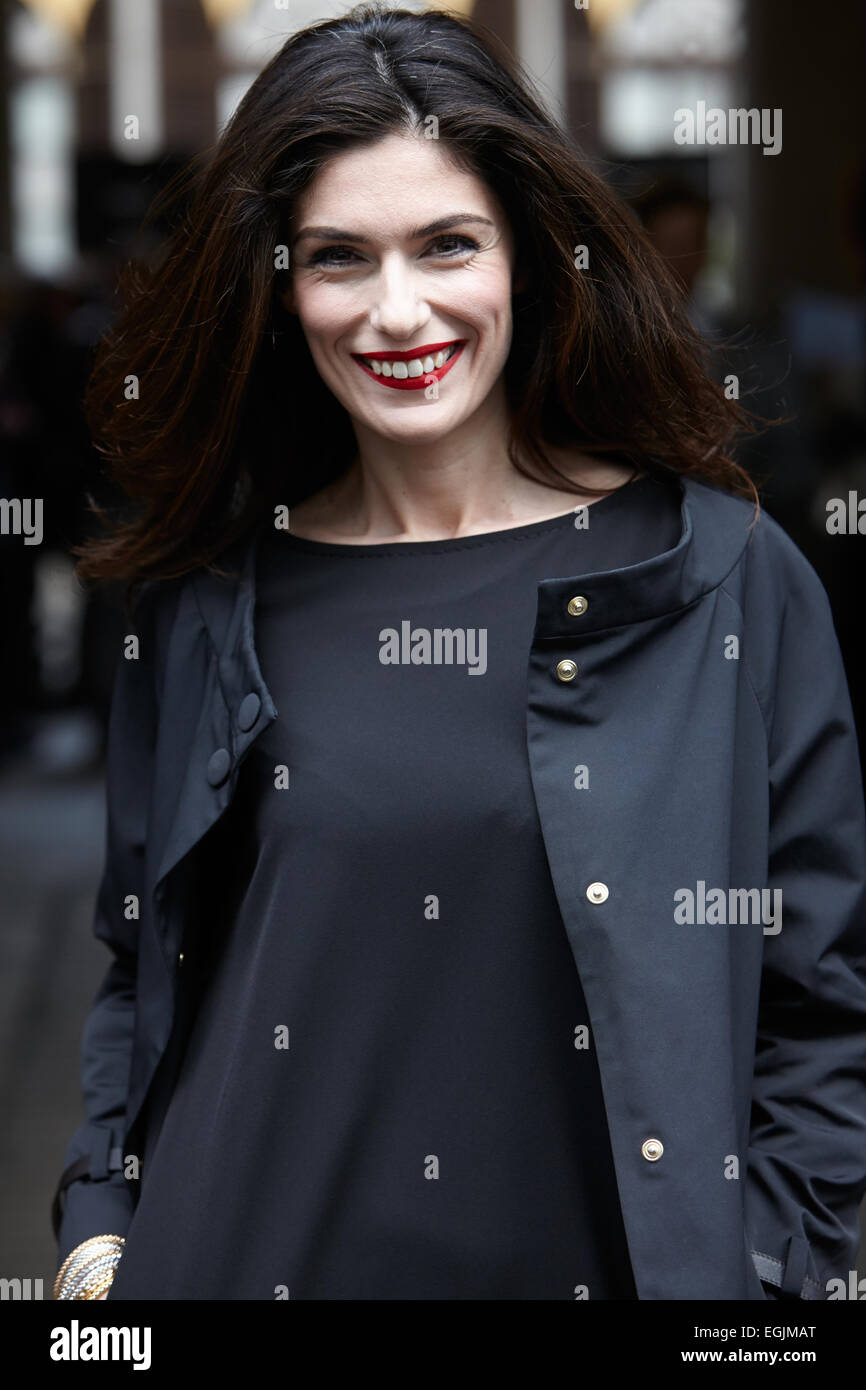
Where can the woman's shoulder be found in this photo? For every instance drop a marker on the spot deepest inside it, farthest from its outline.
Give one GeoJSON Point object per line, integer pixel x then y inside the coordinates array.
{"type": "Point", "coordinates": [152, 599]}
{"type": "Point", "coordinates": [777, 559]}
{"type": "Point", "coordinates": [767, 572]}
{"type": "Point", "coordinates": [737, 510]}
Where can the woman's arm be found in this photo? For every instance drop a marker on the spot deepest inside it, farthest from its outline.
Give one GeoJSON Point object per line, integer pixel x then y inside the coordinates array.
{"type": "Point", "coordinates": [98, 1198]}
{"type": "Point", "coordinates": [807, 1153]}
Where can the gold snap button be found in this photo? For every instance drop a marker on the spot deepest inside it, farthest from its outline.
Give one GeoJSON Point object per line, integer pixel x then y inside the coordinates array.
{"type": "Point", "coordinates": [597, 892]}
{"type": "Point", "coordinates": [180, 959]}
{"type": "Point", "coordinates": [577, 605]}
{"type": "Point", "coordinates": [652, 1149]}
{"type": "Point", "coordinates": [566, 670]}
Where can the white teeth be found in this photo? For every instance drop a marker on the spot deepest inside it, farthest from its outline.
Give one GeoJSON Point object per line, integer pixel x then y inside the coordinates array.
{"type": "Point", "coordinates": [416, 366]}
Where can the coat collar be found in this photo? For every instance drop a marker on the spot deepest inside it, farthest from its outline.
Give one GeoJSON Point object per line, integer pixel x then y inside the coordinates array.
{"type": "Point", "coordinates": [714, 533]}
{"type": "Point", "coordinates": [234, 705]}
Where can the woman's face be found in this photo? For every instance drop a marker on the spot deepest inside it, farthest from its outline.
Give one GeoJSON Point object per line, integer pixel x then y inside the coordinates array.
{"type": "Point", "coordinates": [396, 257]}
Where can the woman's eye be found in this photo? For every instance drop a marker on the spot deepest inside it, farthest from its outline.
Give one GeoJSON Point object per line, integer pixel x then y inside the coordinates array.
{"type": "Point", "coordinates": [467, 243]}
{"type": "Point", "coordinates": [328, 255]}
{"type": "Point", "coordinates": [337, 256]}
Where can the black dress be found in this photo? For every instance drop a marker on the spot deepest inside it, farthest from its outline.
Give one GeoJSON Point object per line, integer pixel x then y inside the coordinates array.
{"type": "Point", "coordinates": [386, 1086]}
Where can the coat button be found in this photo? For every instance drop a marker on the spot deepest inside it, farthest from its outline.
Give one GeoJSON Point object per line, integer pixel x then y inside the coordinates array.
{"type": "Point", "coordinates": [218, 767]}
{"type": "Point", "coordinates": [597, 892]}
{"type": "Point", "coordinates": [577, 605]}
{"type": "Point", "coordinates": [652, 1149]}
{"type": "Point", "coordinates": [249, 710]}
{"type": "Point", "coordinates": [566, 670]}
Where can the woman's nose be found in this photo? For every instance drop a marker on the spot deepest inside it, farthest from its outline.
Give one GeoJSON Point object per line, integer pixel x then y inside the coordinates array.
{"type": "Point", "coordinates": [397, 308]}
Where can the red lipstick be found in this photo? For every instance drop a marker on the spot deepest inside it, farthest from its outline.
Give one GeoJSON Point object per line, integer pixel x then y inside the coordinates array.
{"type": "Point", "coordinates": [425, 351]}
{"type": "Point", "coordinates": [411, 383]}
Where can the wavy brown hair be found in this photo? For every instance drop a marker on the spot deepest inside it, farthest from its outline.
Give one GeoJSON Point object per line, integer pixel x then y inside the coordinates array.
{"type": "Point", "coordinates": [220, 429]}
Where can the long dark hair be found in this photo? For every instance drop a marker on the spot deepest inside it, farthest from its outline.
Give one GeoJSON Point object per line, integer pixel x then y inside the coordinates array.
{"type": "Point", "coordinates": [218, 429]}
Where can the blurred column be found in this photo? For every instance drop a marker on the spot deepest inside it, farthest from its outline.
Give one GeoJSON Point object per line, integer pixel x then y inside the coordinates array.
{"type": "Point", "coordinates": [191, 71]}
{"type": "Point", "coordinates": [5, 190]}
{"type": "Point", "coordinates": [135, 118]}
{"type": "Point", "coordinates": [497, 17]}
{"type": "Point", "coordinates": [808, 60]}
{"type": "Point", "coordinates": [40, 140]}
{"type": "Point", "coordinates": [582, 78]}
{"type": "Point", "coordinates": [540, 37]}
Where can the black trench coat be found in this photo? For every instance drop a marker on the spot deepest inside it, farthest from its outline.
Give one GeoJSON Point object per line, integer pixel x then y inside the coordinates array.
{"type": "Point", "coordinates": [711, 713]}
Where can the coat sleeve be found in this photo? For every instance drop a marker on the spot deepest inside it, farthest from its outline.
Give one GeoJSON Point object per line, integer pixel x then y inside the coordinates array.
{"type": "Point", "coordinates": [807, 1146]}
{"type": "Point", "coordinates": [93, 1196]}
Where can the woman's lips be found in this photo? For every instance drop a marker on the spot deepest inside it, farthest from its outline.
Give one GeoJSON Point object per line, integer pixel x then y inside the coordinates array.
{"type": "Point", "coordinates": [412, 383]}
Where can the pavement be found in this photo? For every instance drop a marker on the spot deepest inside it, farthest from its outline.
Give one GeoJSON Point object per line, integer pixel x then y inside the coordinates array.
{"type": "Point", "coordinates": [52, 826]}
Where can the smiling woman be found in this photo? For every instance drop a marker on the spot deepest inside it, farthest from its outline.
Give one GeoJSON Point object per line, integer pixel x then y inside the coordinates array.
{"type": "Point", "coordinates": [400, 278]}
{"type": "Point", "coordinates": [401, 1005]}
{"type": "Point", "coordinates": [423, 197]}
{"type": "Point", "coordinates": [444, 286]}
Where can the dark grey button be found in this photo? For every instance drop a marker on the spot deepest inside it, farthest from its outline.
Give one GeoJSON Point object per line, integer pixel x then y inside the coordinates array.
{"type": "Point", "coordinates": [218, 767]}
{"type": "Point", "coordinates": [249, 710]}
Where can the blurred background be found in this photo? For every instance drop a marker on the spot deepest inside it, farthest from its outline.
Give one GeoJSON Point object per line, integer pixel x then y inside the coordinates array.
{"type": "Point", "coordinates": [770, 250]}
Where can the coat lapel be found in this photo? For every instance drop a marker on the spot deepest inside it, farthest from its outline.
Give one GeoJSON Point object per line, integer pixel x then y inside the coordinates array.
{"type": "Point", "coordinates": [219, 705]}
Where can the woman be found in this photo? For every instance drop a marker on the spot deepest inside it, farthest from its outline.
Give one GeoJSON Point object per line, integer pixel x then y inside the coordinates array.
{"type": "Point", "coordinates": [428, 986]}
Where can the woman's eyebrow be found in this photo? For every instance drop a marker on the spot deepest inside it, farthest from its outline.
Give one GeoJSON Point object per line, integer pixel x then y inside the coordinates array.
{"type": "Point", "coordinates": [441, 224]}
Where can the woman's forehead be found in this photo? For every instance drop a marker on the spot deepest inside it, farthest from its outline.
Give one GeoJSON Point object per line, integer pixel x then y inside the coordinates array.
{"type": "Point", "coordinates": [403, 169]}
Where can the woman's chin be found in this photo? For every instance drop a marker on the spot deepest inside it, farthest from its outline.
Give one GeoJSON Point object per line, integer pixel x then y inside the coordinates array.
{"type": "Point", "coordinates": [410, 427]}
